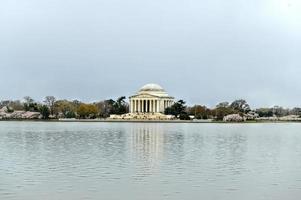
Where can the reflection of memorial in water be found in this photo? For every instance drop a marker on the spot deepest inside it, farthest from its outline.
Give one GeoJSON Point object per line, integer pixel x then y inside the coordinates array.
{"type": "Point", "coordinates": [146, 146]}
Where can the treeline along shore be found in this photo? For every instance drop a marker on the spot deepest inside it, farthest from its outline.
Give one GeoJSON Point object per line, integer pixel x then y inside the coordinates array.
{"type": "Point", "coordinates": [56, 109]}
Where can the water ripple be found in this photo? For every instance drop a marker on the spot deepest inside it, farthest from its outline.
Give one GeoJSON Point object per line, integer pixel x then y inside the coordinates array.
{"type": "Point", "coordinates": [149, 161]}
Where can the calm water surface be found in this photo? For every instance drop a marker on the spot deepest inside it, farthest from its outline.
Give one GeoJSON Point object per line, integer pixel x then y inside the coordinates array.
{"type": "Point", "coordinates": [130, 161]}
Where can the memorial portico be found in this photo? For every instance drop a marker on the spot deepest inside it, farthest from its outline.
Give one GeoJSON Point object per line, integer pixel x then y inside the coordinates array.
{"type": "Point", "coordinates": [151, 98]}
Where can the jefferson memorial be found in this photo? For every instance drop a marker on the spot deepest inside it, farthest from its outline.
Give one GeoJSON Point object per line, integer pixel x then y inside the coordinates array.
{"type": "Point", "coordinates": [151, 98]}
{"type": "Point", "coordinates": [149, 103]}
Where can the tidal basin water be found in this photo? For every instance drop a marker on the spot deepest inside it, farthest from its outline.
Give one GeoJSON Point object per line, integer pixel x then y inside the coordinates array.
{"type": "Point", "coordinates": [149, 161]}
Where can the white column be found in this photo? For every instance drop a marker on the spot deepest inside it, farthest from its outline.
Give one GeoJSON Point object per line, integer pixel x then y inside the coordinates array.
{"type": "Point", "coordinates": [142, 108]}
{"type": "Point", "coordinates": [139, 105]}
{"type": "Point", "coordinates": [153, 103]}
{"type": "Point", "coordinates": [131, 106]}
{"type": "Point", "coordinates": [151, 106]}
{"type": "Point", "coordinates": [159, 105]}
{"type": "Point", "coordinates": [136, 109]}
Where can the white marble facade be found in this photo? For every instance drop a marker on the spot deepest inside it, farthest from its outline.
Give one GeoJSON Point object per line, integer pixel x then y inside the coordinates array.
{"type": "Point", "coordinates": [151, 98]}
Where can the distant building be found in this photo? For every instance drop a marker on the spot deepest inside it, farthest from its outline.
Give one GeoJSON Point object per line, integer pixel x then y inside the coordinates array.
{"type": "Point", "coordinates": [151, 98]}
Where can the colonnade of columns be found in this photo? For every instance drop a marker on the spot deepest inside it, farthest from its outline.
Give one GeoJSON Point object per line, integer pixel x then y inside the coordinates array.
{"type": "Point", "coordinates": [149, 105]}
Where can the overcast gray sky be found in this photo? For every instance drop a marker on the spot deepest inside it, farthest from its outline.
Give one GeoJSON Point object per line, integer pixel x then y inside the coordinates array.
{"type": "Point", "coordinates": [200, 51]}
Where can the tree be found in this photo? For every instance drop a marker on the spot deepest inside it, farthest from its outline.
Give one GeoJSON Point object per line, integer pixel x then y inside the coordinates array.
{"type": "Point", "coordinates": [82, 111]}
{"type": "Point", "coordinates": [87, 111]}
{"type": "Point", "coordinates": [104, 108]}
{"type": "Point", "coordinates": [76, 103]}
{"type": "Point", "coordinates": [30, 104]}
{"type": "Point", "coordinates": [93, 111]}
{"type": "Point", "coordinates": [50, 101]}
{"type": "Point", "coordinates": [28, 100]}
{"type": "Point", "coordinates": [120, 106]}
{"type": "Point", "coordinates": [4, 103]}
{"type": "Point", "coordinates": [70, 114]}
{"type": "Point", "coordinates": [223, 105]}
{"type": "Point", "coordinates": [296, 111]}
{"type": "Point", "coordinates": [184, 116]}
{"type": "Point", "coordinates": [176, 109]}
{"type": "Point", "coordinates": [45, 112]}
{"type": "Point", "coordinates": [16, 105]}
{"type": "Point", "coordinates": [200, 112]}
{"type": "Point", "coordinates": [264, 112]}
{"type": "Point", "coordinates": [221, 112]}
{"type": "Point", "coordinates": [279, 111]}
{"type": "Point", "coordinates": [9, 109]}
{"type": "Point", "coordinates": [65, 109]}
{"type": "Point", "coordinates": [110, 106]}
{"type": "Point", "coordinates": [240, 105]}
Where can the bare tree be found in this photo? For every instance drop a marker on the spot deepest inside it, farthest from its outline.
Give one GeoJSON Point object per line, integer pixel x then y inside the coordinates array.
{"type": "Point", "coordinates": [50, 102]}
{"type": "Point", "coordinates": [28, 100]}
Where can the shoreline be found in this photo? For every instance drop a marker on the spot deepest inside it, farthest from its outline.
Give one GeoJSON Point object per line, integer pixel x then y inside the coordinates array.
{"type": "Point", "coordinates": [145, 121]}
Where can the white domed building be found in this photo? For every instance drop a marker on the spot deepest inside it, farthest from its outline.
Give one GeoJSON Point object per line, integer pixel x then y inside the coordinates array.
{"type": "Point", "coordinates": [151, 98]}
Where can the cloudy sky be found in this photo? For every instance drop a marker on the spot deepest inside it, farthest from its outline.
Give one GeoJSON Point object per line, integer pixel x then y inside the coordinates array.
{"type": "Point", "coordinates": [201, 51]}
